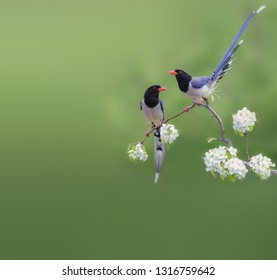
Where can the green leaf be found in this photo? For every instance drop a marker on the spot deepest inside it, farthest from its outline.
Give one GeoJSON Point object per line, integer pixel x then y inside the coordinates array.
{"type": "Point", "coordinates": [240, 133]}
{"type": "Point", "coordinates": [132, 146]}
{"type": "Point", "coordinates": [211, 140]}
{"type": "Point", "coordinates": [222, 177]}
{"type": "Point", "coordinates": [232, 177]}
{"type": "Point", "coordinates": [251, 128]}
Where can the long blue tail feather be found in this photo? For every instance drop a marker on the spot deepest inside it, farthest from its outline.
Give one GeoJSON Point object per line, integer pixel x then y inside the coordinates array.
{"type": "Point", "coordinates": [219, 72]}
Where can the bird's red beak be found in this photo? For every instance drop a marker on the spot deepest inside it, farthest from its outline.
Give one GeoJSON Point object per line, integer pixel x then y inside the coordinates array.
{"type": "Point", "coordinates": [162, 89]}
{"type": "Point", "coordinates": [172, 72]}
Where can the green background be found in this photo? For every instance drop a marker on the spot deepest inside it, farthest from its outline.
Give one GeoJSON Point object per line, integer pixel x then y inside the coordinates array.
{"type": "Point", "coordinates": [72, 74]}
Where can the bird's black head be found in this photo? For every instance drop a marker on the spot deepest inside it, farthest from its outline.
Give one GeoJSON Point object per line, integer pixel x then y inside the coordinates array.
{"type": "Point", "coordinates": [154, 90]}
{"type": "Point", "coordinates": [151, 96]}
{"type": "Point", "coordinates": [179, 72]}
{"type": "Point", "coordinates": [182, 77]}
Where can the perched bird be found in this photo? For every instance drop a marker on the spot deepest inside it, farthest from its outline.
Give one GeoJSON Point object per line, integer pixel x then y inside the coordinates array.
{"type": "Point", "coordinates": [201, 87]}
{"type": "Point", "coordinates": [153, 110]}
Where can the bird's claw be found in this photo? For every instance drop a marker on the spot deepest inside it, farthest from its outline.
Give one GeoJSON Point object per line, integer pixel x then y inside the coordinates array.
{"type": "Point", "coordinates": [149, 130]}
{"type": "Point", "coordinates": [160, 124]}
{"type": "Point", "coordinates": [198, 102]}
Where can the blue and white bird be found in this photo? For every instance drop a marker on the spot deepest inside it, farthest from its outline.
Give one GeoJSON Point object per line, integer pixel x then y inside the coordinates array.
{"type": "Point", "coordinates": [153, 110]}
{"type": "Point", "coordinates": [201, 87]}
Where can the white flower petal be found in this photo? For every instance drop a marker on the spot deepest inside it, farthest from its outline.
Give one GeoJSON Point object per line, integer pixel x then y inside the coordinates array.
{"type": "Point", "coordinates": [244, 120]}
{"type": "Point", "coordinates": [261, 166]}
{"type": "Point", "coordinates": [168, 133]}
{"type": "Point", "coordinates": [137, 152]}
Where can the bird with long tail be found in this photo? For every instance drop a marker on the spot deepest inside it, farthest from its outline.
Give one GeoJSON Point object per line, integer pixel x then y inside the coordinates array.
{"type": "Point", "coordinates": [153, 110]}
{"type": "Point", "coordinates": [199, 88]}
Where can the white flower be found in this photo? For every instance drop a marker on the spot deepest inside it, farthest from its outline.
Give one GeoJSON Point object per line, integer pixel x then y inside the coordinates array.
{"type": "Point", "coordinates": [137, 151]}
{"type": "Point", "coordinates": [232, 151]}
{"type": "Point", "coordinates": [214, 160]}
{"type": "Point", "coordinates": [236, 167]}
{"type": "Point", "coordinates": [261, 166]}
{"type": "Point", "coordinates": [168, 133]}
{"type": "Point", "coordinates": [224, 161]}
{"type": "Point", "coordinates": [244, 121]}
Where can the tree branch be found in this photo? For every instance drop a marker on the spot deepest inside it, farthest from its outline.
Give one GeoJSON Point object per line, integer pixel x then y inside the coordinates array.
{"type": "Point", "coordinates": [273, 172]}
{"type": "Point", "coordinates": [222, 130]}
{"type": "Point", "coordinates": [185, 110]}
{"type": "Point", "coordinates": [247, 149]}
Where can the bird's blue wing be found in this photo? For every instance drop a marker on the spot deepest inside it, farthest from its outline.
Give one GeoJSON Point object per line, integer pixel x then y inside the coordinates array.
{"type": "Point", "coordinates": [162, 107]}
{"type": "Point", "coordinates": [198, 82]}
{"type": "Point", "coordinates": [224, 63]}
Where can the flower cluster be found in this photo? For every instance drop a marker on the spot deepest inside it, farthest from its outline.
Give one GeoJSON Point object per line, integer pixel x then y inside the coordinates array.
{"type": "Point", "coordinates": [137, 151]}
{"type": "Point", "coordinates": [244, 121]}
{"type": "Point", "coordinates": [224, 161]}
{"type": "Point", "coordinates": [236, 168]}
{"type": "Point", "coordinates": [261, 166]}
{"type": "Point", "coordinates": [214, 160]}
{"type": "Point", "coordinates": [168, 133]}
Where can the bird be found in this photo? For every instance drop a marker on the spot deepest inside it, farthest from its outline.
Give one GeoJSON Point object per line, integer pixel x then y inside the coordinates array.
{"type": "Point", "coordinates": [153, 110]}
{"type": "Point", "coordinates": [199, 88]}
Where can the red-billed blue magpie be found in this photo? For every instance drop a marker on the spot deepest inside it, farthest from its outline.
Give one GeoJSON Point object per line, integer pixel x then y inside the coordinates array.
{"type": "Point", "coordinates": [201, 87]}
{"type": "Point", "coordinates": [153, 110]}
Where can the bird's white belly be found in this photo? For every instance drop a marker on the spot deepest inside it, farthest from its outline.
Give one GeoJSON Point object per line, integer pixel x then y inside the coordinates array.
{"type": "Point", "coordinates": [198, 93]}
{"type": "Point", "coordinates": [153, 115]}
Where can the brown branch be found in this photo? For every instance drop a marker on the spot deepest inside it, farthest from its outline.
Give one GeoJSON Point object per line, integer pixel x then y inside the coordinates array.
{"type": "Point", "coordinates": [246, 144]}
{"type": "Point", "coordinates": [142, 142]}
{"type": "Point", "coordinates": [273, 172]}
{"type": "Point", "coordinates": [185, 110]}
{"type": "Point", "coordinates": [222, 130]}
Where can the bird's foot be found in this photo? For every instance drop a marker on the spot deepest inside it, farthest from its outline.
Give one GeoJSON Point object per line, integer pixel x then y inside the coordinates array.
{"type": "Point", "coordinates": [160, 124]}
{"type": "Point", "coordinates": [149, 130]}
{"type": "Point", "coordinates": [198, 101]}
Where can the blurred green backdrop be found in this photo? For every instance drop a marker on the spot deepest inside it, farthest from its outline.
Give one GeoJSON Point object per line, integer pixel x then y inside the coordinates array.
{"type": "Point", "coordinates": [72, 74]}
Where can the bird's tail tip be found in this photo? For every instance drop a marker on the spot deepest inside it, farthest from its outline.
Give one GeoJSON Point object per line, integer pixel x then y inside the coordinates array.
{"type": "Point", "coordinates": [260, 9]}
{"type": "Point", "coordinates": [156, 177]}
